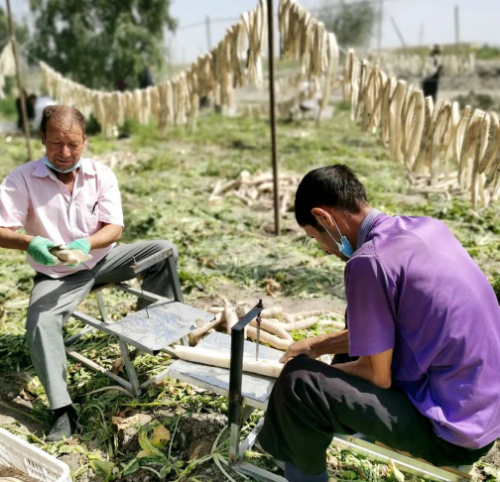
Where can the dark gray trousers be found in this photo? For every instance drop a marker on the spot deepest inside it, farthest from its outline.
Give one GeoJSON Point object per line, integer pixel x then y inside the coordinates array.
{"type": "Point", "coordinates": [311, 401]}
{"type": "Point", "coordinates": [54, 300]}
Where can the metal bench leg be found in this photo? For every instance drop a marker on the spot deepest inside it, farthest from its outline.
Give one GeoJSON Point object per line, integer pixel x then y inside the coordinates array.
{"type": "Point", "coordinates": [102, 307]}
{"type": "Point", "coordinates": [71, 339]}
{"type": "Point", "coordinates": [174, 280]}
{"type": "Point", "coordinates": [129, 366]}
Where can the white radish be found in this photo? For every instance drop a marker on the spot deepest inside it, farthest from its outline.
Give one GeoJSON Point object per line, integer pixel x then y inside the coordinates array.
{"type": "Point", "coordinates": [275, 328]}
{"type": "Point", "coordinates": [272, 340]}
{"type": "Point", "coordinates": [301, 325]}
{"type": "Point", "coordinates": [196, 335]}
{"type": "Point", "coordinates": [230, 316]}
{"type": "Point", "coordinates": [69, 256]}
{"type": "Point", "coordinates": [272, 312]}
{"type": "Point", "coordinates": [268, 368]}
{"type": "Point", "coordinates": [336, 324]}
{"type": "Point", "coordinates": [215, 309]}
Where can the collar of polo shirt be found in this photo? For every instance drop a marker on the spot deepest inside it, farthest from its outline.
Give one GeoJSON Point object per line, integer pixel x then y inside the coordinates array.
{"type": "Point", "coordinates": [86, 167]}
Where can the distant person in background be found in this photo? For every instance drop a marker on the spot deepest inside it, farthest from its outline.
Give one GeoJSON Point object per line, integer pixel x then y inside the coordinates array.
{"type": "Point", "coordinates": [430, 84]}
{"type": "Point", "coordinates": [146, 79]}
{"type": "Point", "coordinates": [30, 109]}
{"type": "Point", "coordinates": [40, 104]}
{"type": "Point", "coordinates": [34, 110]}
{"type": "Point", "coordinates": [120, 85]}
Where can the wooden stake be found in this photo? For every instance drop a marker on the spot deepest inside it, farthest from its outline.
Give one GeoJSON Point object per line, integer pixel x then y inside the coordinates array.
{"type": "Point", "coordinates": [19, 83]}
{"type": "Point", "coordinates": [272, 109]}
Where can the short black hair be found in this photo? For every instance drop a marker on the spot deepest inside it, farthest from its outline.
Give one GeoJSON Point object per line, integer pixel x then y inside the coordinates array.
{"type": "Point", "coordinates": [61, 113]}
{"type": "Point", "coordinates": [332, 186]}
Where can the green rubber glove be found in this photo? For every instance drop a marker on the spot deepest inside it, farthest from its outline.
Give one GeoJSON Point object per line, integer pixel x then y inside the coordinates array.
{"type": "Point", "coordinates": [38, 249]}
{"type": "Point", "coordinates": [81, 244]}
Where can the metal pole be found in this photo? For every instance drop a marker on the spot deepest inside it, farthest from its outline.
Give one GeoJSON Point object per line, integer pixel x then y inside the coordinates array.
{"type": "Point", "coordinates": [457, 26]}
{"type": "Point", "coordinates": [421, 35]}
{"type": "Point", "coordinates": [236, 380]}
{"type": "Point", "coordinates": [19, 83]}
{"type": "Point", "coordinates": [398, 32]}
{"type": "Point", "coordinates": [380, 22]}
{"type": "Point", "coordinates": [272, 109]}
{"type": "Point", "coordinates": [209, 33]}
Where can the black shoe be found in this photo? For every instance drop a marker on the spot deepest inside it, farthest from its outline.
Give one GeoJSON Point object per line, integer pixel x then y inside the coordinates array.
{"type": "Point", "coordinates": [65, 424]}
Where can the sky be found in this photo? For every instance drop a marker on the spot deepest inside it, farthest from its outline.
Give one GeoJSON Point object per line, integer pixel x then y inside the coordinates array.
{"type": "Point", "coordinates": [434, 19]}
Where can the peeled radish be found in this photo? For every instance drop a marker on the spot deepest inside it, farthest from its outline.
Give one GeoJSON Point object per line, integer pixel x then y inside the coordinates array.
{"type": "Point", "coordinates": [266, 368]}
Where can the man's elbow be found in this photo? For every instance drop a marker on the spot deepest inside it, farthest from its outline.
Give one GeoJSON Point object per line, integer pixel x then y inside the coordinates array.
{"type": "Point", "coordinates": [119, 233]}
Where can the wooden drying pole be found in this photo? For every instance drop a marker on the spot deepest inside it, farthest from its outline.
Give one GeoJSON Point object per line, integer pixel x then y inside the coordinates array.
{"type": "Point", "coordinates": [19, 83]}
{"type": "Point", "coordinates": [398, 32]}
{"type": "Point", "coordinates": [208, 29]}
{"type": "Point", "coordinates": [272, 110]}
{"type": "Point", "coordinates": [457, 27]}
{"type": "Point", "coordinates": [380, 24]}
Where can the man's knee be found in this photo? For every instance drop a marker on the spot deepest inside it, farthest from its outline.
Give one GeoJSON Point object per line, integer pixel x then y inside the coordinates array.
{"type": "Point", "coordinates": [40, 326]}
{"type": "Point", "coordinates": [293, 382]}
{"type": "Point", "coordinates": [160, 245]}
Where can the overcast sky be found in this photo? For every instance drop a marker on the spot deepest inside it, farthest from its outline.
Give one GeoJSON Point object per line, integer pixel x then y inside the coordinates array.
{"type": "Point", "coordinates": [479, 21]}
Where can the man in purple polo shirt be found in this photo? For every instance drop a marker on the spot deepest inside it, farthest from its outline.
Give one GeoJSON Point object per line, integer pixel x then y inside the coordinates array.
{"type": "Point", "coordinates": [424, 323]}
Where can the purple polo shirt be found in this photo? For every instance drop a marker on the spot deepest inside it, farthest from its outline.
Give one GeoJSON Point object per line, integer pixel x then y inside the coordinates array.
{"type": "Point", "coordinates": [411, 286]}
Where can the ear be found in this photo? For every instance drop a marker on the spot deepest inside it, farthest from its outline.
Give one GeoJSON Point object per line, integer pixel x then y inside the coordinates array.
{"type": "Point", "coordinates": [84, 138]}
{"type": "Point", "coordinates": [42, 136]}
{"type": "Point", "coordinates": [323, 217]}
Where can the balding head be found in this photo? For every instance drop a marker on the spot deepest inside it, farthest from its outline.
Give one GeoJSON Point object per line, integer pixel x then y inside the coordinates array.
{"type": "Point", "coordinates": [62, 117]}
{"type": "Point", "coordinates": [63, 134]}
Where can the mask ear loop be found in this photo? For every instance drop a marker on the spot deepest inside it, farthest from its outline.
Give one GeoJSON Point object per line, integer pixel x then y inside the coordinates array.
{"type": "Point", "coordinates": [330, 234]}
{"type": "Point", "coordinates": [338, 230]}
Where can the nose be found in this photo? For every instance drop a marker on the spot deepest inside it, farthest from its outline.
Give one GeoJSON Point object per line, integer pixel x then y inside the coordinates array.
{"type": "Point", "coordinates": [65, 151]}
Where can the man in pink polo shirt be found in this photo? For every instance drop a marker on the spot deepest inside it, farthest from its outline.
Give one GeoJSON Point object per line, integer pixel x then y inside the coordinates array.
{"type": "Point", "coordinates": [63, 198]}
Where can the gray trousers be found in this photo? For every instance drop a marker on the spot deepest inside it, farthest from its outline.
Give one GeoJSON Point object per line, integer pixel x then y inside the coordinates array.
{"type": "Point", "coordinates": [54, 300]}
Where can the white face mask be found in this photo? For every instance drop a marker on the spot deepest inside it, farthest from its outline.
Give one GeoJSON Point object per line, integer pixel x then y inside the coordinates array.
{"type": "Point", "coordinates": [344, 246]}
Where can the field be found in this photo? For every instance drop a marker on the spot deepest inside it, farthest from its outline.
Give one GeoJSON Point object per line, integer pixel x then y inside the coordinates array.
{"type": "Point", "coordinates": [225, 249]}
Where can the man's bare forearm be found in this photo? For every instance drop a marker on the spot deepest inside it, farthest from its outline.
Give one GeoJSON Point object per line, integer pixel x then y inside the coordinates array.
{"type": "Point", "coordinates": [11, 240]}
{"type": "Point", "coordinates": [106, 236]}
{"type": "Point", "coordinates": [332, 343]}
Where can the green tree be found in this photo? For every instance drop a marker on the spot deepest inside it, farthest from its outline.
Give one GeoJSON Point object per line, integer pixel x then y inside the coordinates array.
{"type": "Point", "coordinates": [97, 42]}
{"type": "Point", "coordinates": [352, 23]}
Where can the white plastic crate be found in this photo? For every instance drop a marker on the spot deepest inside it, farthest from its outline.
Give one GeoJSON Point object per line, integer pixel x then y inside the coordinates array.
{"type": "Point", "coordinates": [15, 452]}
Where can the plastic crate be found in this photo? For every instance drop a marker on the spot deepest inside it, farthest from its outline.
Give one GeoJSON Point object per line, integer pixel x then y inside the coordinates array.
{"type": "Point", "coordinates": [15, 452]}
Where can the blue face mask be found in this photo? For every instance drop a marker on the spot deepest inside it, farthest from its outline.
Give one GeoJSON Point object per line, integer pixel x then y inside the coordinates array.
{"type": "Point", "coordinates": [344, 246]}
{"type": "Point", "coordinates": [51, 166]}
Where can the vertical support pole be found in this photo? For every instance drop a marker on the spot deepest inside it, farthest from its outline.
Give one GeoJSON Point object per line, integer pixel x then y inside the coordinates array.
{"type": "Point", "coordinates": [235, 382]}
{"type": "Point", "coordinates": [129, 366]}
{"type": "Point", "coordinates": [272, 109]}
{"type": "Point", "coordinates": [209, 32]}
{"type": "Point", "coordinates": [398, 32]}
{"type": "Point", "coordinates": [380, 23]}
{"type": "Point", "coordinates": [19, 83]}
{"type": "Point", "coordinates": [173, 277]}
{"type": "Point", "coordinates": [102, 307]}
{"type": "Point", "coordinates": [421, 35]}
{"type": "Point", "coordinates": [235, 398]}
{"type": "Point", "coordinates": [457, 27]}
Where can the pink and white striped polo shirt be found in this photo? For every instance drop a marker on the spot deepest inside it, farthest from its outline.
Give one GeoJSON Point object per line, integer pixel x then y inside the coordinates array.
{"type": "Point", "coordinates": [31, 197]}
